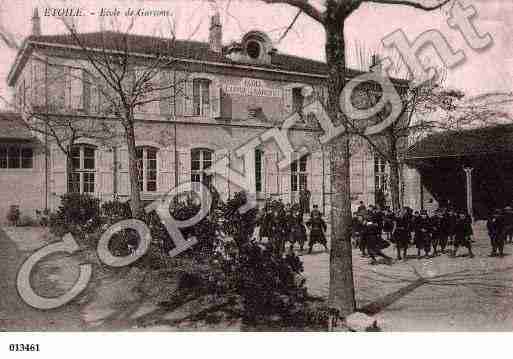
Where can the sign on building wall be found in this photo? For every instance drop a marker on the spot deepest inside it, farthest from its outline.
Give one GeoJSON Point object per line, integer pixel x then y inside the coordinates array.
{"type": "Point", "coordinates": [251, 87]}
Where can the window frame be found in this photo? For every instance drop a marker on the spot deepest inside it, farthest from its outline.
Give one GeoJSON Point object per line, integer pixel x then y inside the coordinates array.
{"type": "Point", "coordinates": [380, 173]}
{"type": "Point", "coordinates": [84, 173]}
{"type": "Point", "coordinates": [19, 157]}
{"type": "Point", "coordinates": [201, 171]}
{"type": "Point", "coordinates": [299, 176]}
{"type": "Point", "coordinates": [144, 170]}
{"type": "Point", "coordinates": [200, 108]}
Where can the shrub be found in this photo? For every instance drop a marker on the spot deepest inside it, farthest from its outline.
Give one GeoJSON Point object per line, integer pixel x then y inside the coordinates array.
{"type": "Point", "coordinates": [78, 214]}
{"type": "Point", "coordinates": [13, 215]}
{"type": "Point", "coordinates": [27, 221]}
{"type": "Point", "coordinates": [116, 210]}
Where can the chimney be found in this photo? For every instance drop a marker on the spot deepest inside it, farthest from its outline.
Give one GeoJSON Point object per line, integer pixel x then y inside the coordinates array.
{"type": "Point", "coordinates": [376, 64]}
{"type": "Point", "coordinates": [36, 23]}
{"type": "Point", "coordinates": [215, 38]}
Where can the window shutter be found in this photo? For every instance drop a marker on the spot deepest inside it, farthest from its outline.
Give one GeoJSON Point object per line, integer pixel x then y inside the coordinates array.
{"type": "Point", "coordinates": [221, 177]}
{"type": "Point", "coordinates": [184, 166]}
{"type": "Point", "coordinates": [285, 185]}
{"type": "Point", "coordinates": [87, 91]}
{"type": "Point", "coordinates": [56, 88]}
{"type": "Point", "coordinates": [315, 178]}
{"type": "Point", "coordinates": [105, 172]}
{"type": "Point", "coordinates": [271, 174]}
{"type": "Point", "coordinates": [189, 92]}
{"type": "Point", "coordinates": [165, 169]}
{"type": "Point", "coordinates": [76, 85]}
{"type": "Point", "coordinates": [215, 98]}
{"type": "Point", "coordinates": [67, 88]}
{"type": "Point", "coordinates": [59, 178]}
{"type": "Point", "coordinates": [123, 175]}
{"type": "Point", "coordinates": [180, 94]}
{"type": "Point", "coordinates": [287, 100]}
{"type": "Point", "coordinates": [165, 93]}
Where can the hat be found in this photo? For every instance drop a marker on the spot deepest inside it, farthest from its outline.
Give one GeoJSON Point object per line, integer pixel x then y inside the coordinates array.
{"type": "Point", "coordinates": [508, 208]}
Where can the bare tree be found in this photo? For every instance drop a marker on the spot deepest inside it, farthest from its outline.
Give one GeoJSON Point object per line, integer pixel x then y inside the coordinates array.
{"type": "Point", "coordinates": [332, 18]}
{"type": "Point", "coordinates": [128, 82]}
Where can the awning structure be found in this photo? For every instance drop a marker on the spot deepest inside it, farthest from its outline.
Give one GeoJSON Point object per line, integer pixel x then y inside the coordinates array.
{"type": "Point", "coordinates": [11, 127]}
{"type": "Point", "coordinates": [464, 143]}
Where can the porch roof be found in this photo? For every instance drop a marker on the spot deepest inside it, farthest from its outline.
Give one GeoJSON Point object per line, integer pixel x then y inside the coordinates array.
{"type": "Point", "coordinates": [464, 143]}
{"type": "Point", "coordinates": [11, 127]}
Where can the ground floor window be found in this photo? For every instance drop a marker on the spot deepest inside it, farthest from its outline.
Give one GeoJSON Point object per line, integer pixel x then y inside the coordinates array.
{"type": "Point", "coordinates": [147, 168]}
{"type": "Point", "coordinates": [15, 156]}
{"type": "Point", "coordinates": [299, 175]}
{"type": "Point", "coordinates": [201, 159]}
{"type": "Point", "coordinates": [82, 176]}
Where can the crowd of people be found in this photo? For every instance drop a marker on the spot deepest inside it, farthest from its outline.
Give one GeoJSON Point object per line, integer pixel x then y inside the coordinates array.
{"type": "Point", "coordinates": [444, 232]}
{"type": "Point", "coordinates": [282, 224]}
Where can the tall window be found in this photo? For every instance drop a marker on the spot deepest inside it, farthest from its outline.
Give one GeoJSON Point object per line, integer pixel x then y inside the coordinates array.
{"type": "Point", "coordinates": [201, 159]}
{"type": "Point", "coordinates": [299, 175]}
{"type": "Point", "coordinates": [82, 176]}
{"type": "Point", "coordinates": [15, 157]}
{"type": "Point", "coordinates": [76, 84]}
{"type": "Point", "coordinates": [259, 154]}
{"type": "Point", "coordinates": [297, 99]}
{"type": "Point", "coordinates": [147, 167]}
{"type": "Point", "coordinates": [380, 174]}
{"type": "Point", "coordinates": [201, 97]}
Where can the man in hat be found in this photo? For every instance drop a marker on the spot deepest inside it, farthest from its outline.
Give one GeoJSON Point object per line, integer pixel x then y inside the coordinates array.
{"type": "Point", "coordinates": [508, 224]}
{"type": "Point", "coordinates": [423, 234]}
{"type": "Point", "coordinates": [462, 233]}
{"type": "Point", "coordinates": [374, 241]}
{"type": "Point", "coordinates": [495, 228]}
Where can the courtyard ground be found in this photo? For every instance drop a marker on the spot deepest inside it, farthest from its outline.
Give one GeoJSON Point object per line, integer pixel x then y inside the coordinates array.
{"type": "Point", "coordinates": [436, 294]}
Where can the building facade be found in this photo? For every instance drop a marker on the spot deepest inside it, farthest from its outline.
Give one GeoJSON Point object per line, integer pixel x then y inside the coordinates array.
{"type": "Point", "coordinates": [223, 98]}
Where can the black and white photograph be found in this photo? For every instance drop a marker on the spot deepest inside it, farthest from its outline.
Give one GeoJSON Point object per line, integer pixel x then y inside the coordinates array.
{"type": "Point", "coordinates": [255, 166]}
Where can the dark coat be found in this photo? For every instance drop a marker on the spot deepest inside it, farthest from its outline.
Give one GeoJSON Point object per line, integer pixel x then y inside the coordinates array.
{"type": "Point", "coordinates": [317, 229]}
{"type": "Point", "coordinates": [402, 234]}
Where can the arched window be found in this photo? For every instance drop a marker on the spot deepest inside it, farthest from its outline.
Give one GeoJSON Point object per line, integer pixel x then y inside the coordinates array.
{"type": "Point", "coordinates": [83, 169]}
{"type": "Point", "coordinates": [147, 167]}
{"type": "Point", "coordinates": [201, 97]}
{"type": "Point", "coordinates": [201, 159]}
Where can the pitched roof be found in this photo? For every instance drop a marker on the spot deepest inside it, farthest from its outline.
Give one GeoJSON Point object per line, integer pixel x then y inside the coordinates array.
{"type": "Point", "coordinates": [183, 49]}
{"type": "Point", "coordinates": [11, 127]}
{"type": "Point", "coordinates": [472, 142]}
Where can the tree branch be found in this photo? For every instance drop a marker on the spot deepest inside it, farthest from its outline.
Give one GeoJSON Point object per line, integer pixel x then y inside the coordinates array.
{"type": "Point", "coordinates": [413, 4]}
{"type": "Point", "coordinates": [303, 5]}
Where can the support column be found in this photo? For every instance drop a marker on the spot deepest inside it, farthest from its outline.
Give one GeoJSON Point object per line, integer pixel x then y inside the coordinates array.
{"type": "Point", "coordinates": [468, 175]}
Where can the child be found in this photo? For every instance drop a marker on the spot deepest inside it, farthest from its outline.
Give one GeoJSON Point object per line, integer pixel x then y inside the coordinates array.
{"type": "Point", "coordinates": [462, 233]}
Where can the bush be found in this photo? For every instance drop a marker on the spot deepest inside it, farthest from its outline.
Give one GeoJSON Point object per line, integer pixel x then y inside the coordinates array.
{"type": "Point", "coordinates": [116, 210]}
{"type": "Point", "coordinates": [78, 214]}
{"type": "Point", "coordinates": [13, 216]}
{"type": "Point", "coordinates": [26, 221]}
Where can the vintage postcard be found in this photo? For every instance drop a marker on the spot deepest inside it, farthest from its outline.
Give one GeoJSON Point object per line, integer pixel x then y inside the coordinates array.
{"type": "Point", "coordinates": [255, 165]}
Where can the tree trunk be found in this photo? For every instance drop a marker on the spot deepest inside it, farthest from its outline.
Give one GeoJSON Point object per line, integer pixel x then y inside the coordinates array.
{"type": "Point", "coordinates": [394, 184]}
{"type": "Point", "coordinates": [394, 170]}
{"type": "Point", "coordinates": [341, 292]}
{"type": "Point", "coordinates": [135, 193]}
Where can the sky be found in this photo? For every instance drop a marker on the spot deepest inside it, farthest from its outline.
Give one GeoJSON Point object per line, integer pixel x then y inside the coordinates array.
{"type": "Point", "coordinates": [488, 71]}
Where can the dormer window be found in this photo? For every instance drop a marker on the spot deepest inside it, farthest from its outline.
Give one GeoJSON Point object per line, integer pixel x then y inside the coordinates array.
{"type": "Point", "coordinates": [253, 49]}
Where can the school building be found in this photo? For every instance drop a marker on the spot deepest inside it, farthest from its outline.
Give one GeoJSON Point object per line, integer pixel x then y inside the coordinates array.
{"type": "Point", "coordinates": [230, 94]}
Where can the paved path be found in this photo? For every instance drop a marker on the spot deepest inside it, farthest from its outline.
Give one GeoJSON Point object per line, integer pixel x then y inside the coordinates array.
{"type": "Point", "coordinates": [459, 294]}
{"type": "Point", "coordinates": [15, 315]}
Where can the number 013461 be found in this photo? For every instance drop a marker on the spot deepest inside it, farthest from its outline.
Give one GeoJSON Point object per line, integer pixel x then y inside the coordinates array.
{"type": "Point", "coordinates": [23, 347]}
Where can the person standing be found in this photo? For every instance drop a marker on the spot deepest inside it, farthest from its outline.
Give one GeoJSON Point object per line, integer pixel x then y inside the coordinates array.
{"type": "Point", "coordinates": [374, 241]}
{"type": "Point", "coordinates": [361, 208]}
{"type": "Point", "coordinates": [462, 233]}
{"type": "Point", "coordinates": [495, 227]}
{"type": "Point", "coordinates": [444, 231]}
{"type": "Point", "coordinates": [423, 234]}
{"type": "Point", "coordinates": [401, 234]}
{"type": "Point", "coordinates": [508, 224]}
{"type": "Point", "coordinates": [297, 230]}
{"type": "Point", "coordinates": [436, 231]}
{"type": "Point", "coordinates": [388, 223]}
{"type": "Point", "coordinates": [317, 229]}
